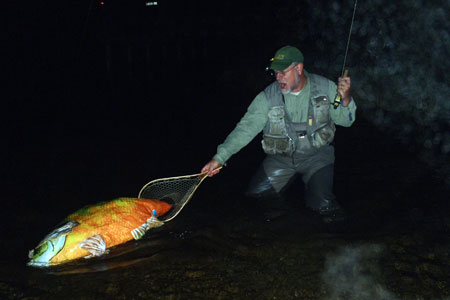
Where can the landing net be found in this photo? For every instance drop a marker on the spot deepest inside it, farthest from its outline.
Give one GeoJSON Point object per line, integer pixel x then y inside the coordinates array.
{"type": "Point", "coordinates": [174, 190]}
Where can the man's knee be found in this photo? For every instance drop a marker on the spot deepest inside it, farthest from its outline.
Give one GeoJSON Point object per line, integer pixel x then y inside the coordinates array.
{"type": "Point", "coordinates": [260, 186]}
{"type": "Point", "coordinates": [319, 191]}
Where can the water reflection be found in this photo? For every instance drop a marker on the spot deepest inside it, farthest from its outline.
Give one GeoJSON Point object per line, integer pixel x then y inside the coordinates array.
{"type": "Point", "coordinates": [150, 248]}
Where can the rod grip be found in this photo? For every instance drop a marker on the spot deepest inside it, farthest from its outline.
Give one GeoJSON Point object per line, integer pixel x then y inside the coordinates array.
{"type": "Point", "coordinates": [337, 99]}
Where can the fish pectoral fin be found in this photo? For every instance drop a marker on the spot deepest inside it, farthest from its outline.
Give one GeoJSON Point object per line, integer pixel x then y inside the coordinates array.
{"type": "Point", "coordinates": [152, 222]}
{"type": "Point", "coordinates": [95, 245]}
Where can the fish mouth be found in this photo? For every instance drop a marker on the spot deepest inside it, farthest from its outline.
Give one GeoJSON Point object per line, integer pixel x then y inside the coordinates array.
{"type": "Point", "coordinates": [39, 264]}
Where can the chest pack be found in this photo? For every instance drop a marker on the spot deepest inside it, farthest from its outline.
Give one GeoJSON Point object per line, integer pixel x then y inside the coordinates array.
{"type": "Point", "coordinates": [282, 136]}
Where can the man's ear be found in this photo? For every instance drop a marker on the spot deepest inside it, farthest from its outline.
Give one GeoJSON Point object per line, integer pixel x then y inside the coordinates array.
{"type": "Point", "coordinates": [299, 68]}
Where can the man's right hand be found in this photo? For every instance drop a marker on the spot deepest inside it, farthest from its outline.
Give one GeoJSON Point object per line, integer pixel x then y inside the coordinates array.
{"type": "Point", "coordinates": [212, 168]}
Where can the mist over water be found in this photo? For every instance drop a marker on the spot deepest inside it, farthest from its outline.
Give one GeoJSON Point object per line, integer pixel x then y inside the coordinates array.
{"type": "Point", "coordinates": [353, 273]}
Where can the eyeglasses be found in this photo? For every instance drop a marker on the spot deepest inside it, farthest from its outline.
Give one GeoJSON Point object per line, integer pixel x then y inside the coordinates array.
{"type": "Point", "coordinates": [282, 73]}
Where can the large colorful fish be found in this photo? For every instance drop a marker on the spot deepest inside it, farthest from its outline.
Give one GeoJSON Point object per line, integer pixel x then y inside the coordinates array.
{"type": "Point", "coordinates": [93, 229]}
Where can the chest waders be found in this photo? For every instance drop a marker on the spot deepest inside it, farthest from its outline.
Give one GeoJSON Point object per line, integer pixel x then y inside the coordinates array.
{"type": "Point", "coordinates": [283, 137]}
{"type": "Point", "coordinates": [299, 147]}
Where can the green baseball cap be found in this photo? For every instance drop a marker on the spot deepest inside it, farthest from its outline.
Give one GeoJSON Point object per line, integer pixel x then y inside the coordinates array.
{"type": "Point", "coordinates": [284, 57]}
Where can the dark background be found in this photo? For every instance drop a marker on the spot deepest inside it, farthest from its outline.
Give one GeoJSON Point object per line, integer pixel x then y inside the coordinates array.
{"type": "Point", "coordinates": [100, 99]}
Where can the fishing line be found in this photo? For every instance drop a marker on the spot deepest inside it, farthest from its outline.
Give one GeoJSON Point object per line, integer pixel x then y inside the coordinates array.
{"type": "Point", "coordinates": [83, 35]}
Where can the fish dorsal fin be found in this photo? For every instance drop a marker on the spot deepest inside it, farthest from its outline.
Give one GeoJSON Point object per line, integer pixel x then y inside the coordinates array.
{"type": "Point", "coordinates": [95, 245]}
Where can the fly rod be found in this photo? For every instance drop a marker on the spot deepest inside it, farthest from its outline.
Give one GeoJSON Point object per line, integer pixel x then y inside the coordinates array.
{"type": "Point", "coordinates": [344, 73]}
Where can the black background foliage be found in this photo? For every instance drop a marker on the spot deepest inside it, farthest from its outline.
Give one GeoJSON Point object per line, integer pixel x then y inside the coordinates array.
{"type": "Point", "coordinates": [99, 99]}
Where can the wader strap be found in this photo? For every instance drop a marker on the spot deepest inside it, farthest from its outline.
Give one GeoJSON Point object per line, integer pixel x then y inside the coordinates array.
{"type": "Point", "coordinates": [286, 115]}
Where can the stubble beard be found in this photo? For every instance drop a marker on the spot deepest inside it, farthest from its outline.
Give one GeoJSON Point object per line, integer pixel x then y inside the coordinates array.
{"type": "Point", "coordinates": [288, 88]}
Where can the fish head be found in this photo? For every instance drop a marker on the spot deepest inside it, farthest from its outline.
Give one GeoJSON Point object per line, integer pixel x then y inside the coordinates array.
{"type": "Point", "coordinates": [45, 251]}
{"type": "Point", "coordinates": [50, 246]}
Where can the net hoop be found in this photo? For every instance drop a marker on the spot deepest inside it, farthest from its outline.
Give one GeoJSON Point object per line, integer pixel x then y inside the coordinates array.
{"type": "Point", "coordinates": [178, 190]}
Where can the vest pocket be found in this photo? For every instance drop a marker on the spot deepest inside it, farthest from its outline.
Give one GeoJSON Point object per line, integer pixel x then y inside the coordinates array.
{"type": "Point", "coordinates": [321, 109]}
{"type": "Point", "coordinates": [323, 136]}
{"type": "Point", "coordinates": [277, 124]}
{"type": "Point", "coordinates": [278, 145]}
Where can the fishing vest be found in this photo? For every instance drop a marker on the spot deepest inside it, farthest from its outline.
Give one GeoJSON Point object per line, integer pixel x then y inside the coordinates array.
{"type": "Point", "coordinates": [282, 136]}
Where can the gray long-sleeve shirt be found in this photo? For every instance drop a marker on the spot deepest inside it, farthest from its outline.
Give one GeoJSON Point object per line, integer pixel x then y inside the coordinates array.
{"type": "Point", "coordinates": [255, 119]}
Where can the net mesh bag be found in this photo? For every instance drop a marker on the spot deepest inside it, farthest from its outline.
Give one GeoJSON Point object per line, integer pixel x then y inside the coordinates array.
{"type": "Point", "coordinates": [175, 190]}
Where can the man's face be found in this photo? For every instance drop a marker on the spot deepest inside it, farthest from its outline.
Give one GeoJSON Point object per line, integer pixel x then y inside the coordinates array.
{"type": "Point", "coordinates": [289, 78]}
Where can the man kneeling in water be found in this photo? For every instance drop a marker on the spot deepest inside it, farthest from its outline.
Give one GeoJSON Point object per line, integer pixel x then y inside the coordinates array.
{"type": "Point", "coordinates": [297, 117]}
